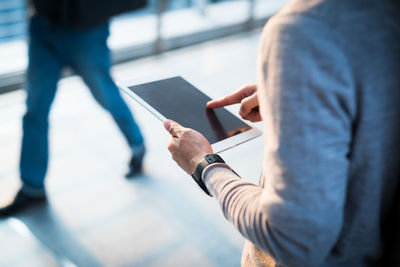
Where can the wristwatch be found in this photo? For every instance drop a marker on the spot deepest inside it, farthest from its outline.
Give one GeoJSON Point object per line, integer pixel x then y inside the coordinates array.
{"type": "Point", "coordinates": [207, 160]}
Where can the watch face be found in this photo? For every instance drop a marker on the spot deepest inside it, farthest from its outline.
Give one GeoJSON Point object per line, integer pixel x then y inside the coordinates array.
{"type": "Point", "coordinates": [212, 158]}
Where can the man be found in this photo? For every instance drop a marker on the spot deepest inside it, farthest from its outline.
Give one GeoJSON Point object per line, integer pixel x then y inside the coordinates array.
{"type": "Point", "coordinates": [69, 33]}
{"type": "Point", "coordinates": [328, 91]}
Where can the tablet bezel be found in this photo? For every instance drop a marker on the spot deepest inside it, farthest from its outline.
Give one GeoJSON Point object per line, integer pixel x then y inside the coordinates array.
{"type": "Point", "coordinates": [217, 147]}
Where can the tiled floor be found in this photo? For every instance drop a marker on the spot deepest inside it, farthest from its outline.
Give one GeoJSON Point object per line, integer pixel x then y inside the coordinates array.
{"type": "Point", "coordinates": [96, 217]}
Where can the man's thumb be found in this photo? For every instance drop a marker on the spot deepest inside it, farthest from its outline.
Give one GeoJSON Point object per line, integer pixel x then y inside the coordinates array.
{"type": "Point", "coordinates": [172, 127]}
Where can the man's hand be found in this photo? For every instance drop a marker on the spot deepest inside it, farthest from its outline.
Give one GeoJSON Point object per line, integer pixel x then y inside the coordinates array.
{"type": "Point", "coordinates": [247, 97]}
{"type": "Point", "coordinates": [187, 146]}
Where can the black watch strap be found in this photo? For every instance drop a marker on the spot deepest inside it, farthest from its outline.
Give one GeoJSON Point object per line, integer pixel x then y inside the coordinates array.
{"type": "Point", "coordinates": [207, 160]}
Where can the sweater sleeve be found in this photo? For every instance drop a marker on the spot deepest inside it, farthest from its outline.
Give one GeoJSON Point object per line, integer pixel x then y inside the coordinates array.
{"type": "Point", "coordinates": [306, 101]}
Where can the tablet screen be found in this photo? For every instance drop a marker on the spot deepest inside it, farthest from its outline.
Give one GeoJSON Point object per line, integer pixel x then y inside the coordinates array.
{"type": "Point", "coordinates": [178, 100]}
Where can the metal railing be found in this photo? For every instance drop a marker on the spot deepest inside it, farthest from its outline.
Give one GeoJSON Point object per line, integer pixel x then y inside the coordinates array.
{"type": "Point", "coordinates": [12, 81]}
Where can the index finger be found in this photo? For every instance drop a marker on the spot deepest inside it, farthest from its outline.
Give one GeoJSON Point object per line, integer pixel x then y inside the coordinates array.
{"type": "Point", "coordinates": [234, 98]}
{"type": "Point", "coordinates": [227, 100]}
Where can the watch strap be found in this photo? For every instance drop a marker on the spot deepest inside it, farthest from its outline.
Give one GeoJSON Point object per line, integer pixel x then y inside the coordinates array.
{"type": "Point", "coordinates": [206, 161]}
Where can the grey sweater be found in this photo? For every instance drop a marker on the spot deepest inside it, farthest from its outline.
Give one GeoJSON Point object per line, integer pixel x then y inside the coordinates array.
{"type": "Point", "coordinates": [329, 89]}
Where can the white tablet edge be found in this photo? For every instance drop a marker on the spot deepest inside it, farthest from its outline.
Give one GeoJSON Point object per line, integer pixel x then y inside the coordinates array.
{"type": "Point", "coordinates": [236, 139]}
{"type": "Point", "coordinates": [124, 86]}
{"type": "Point", "coordinates": [217, 147]}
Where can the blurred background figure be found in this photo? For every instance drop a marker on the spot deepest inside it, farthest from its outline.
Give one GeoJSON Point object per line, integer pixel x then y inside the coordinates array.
{"type": "Point", "coordinates": [73, 34]}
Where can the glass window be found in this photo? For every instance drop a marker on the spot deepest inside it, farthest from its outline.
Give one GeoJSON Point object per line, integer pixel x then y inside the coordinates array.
{"type": "Point", "coordinates": [162, 25]}
{"type": "Point", "coordinates": [12, 20]}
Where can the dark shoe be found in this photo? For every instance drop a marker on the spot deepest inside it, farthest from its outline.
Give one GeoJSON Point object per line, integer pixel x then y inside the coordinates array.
{"type": "Point", "coordinates": [135, 164]}
{"type": "Point", "coordinates": [21, 202]}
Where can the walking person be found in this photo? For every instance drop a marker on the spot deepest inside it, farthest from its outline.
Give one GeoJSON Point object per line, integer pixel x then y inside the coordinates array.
{"type": "Point", "coordinates": [68, 33]}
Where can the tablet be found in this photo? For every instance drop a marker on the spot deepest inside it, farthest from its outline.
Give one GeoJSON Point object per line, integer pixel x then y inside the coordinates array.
{"type": "Point", "coordinates": [176, 99]}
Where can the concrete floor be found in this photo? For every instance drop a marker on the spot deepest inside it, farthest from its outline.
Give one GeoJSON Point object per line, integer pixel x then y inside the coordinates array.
{"type": "Point", "coordinates": [96, 217]}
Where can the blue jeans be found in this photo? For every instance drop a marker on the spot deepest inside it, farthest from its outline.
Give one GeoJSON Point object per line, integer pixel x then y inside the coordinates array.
{"type": "Point", "coordinates": [51, 48]}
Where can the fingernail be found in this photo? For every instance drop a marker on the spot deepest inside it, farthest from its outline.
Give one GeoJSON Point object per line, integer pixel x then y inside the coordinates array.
{"type": "Point", "coordinates": [167, 123]}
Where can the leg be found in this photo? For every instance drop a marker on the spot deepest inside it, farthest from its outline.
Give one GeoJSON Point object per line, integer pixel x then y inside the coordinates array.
{"type": "Point", "coordinates": [91, 61]}
{"type": "Point", "coordinates": [42, 76]}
